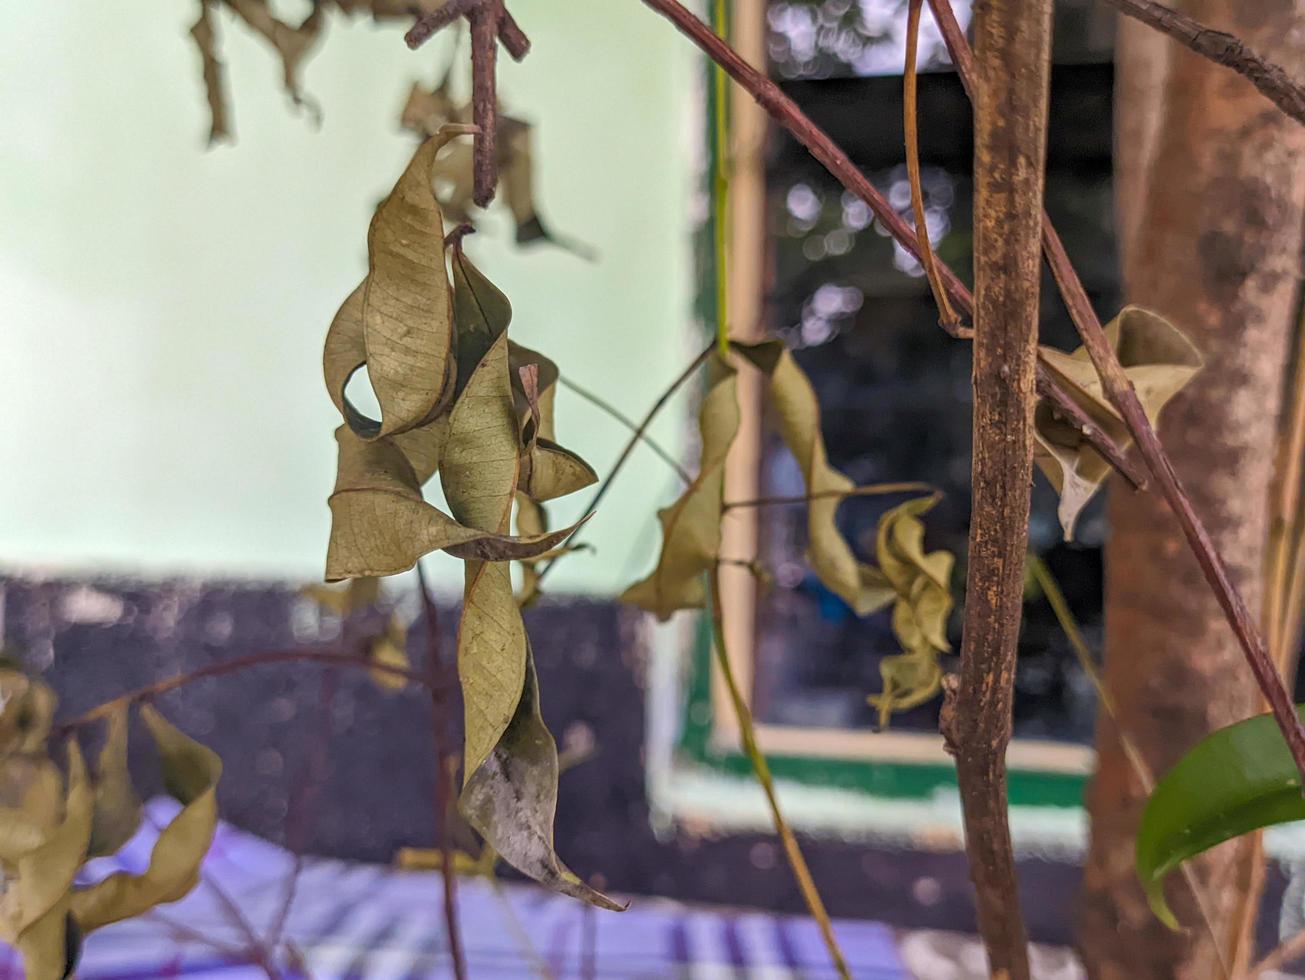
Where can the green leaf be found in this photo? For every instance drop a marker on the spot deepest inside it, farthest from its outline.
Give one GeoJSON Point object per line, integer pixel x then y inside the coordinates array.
{"type": "Point", "coordinates": [1236, 780]}
{"type": "Point", "coordinates": [691, 527]}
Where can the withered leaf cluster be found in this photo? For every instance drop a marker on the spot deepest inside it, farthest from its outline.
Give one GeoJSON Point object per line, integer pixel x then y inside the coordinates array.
{"type": "Point", "coordinates": [460, 401]}
{"type": "Point", "coordinates": [52, 823]}
{"type": "Point", "coordinates": [915, 584]}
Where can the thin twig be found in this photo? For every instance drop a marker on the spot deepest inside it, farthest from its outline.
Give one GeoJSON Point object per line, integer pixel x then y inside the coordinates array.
{"type": "Point", "coordinates": [324, 657]}
{"type": "Point", "coordinates": [1072, 413]}
{"type": "Point", "coordinates": [1283, 955]}
{"type": "Point", "coordinates": [625, 420]}
{"type": "Point", "coordinates": [491, 25]}
{"type": "Point", "coordinates": [1222, 48]}
{"type": "Point", "coordinates": [1145, 776]}
{"type": "Point", "coordinates": [1119, 389]}
{"type": "Point", "coordinates": [870, 490]}
{"type": "Point", "coordinates": [302, 804]}
{"type": "Point", "coordinates": [633, 441]}
{"type": "Point", "coordinates": [949, 319]}
{"type": "Point", "coordinates": [787, 114]}
{"type": "Point", "coordinates": [445, 772]}
{"type": "Point", "coordinates": [761, 769]}
{"type": "Point", "coordinates": [1010, 137]}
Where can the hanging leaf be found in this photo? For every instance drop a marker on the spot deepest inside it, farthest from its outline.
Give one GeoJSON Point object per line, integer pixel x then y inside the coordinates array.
{"type": "Point", "coordinates": [510, 791]}
{"type": "Point", "coordinates": [117, 807]}
{"type": "Point", "coordinates": [1158, 359]}
{"type": "Point", "coordinates": [31, 786]}
{"type": "Point", "coordinates": [380, 525]}
{"type": "Point", "coordinates": [190, 773]}
{"type": "Point", "coordinates": [797, 410]}
{"type": "Point", "coordinates": [34, 903]}
{"type": "Point", "coordinates": [921, 584]}
{"type": "Point", "coordinates": [511, 799]}
{"type": "Point", "coordinates": [691, 527]}
{"type": "Point", "coordinates": [1236, 780]}
{"type": "Point", "coordinates": [344, 354]}
{"type": "Point", "coordinates": [406, 305]}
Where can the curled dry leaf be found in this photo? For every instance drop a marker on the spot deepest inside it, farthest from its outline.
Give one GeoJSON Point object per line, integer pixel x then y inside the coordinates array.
{"type": "Point", "coordinates": [407, 305]}
{"type": "Point", "coordinates": [921, 583]}
{"type": "Point", "coordinates": [691, 527]}
{"type": "Point", "coordinates": [380, 525]}
{"type": "Point", "coordinates": [190, 773]}
{"type": "Point", "coordinates": [117, 807]}
{"type": "Point", "coordinates": [797, 410]}
{"type": "Point", "coordinates": [510, 793]}
{"type": "Point", "coordinates": [51, 826]}
{"type": "Point", "coordinates": [1160, 361]}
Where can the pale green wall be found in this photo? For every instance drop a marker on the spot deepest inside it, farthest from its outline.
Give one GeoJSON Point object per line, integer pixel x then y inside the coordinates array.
{"type": "Point", "coordinates": [162, 306]}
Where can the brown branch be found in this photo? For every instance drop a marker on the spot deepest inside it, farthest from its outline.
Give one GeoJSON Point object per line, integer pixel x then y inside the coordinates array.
{"type": "Point", "coordinates": [1071, 412]}
{"type": "Point", "coordinates": [872, 490]}
{"type": "Point", "coordinates": [1222, 48]}
{"type": "Point", "coordinates": [1120, 391]}
{"type": "Point", "coordinates": [1010, 137]}
{"type": "Point", "coordinates": [325, 656]}
{"type": "Point", "coordinates": [446, 772]}
{"type": "Point", "coordinates": [787, 114]}
{"type": "Point", "coordinates": [491, 25]}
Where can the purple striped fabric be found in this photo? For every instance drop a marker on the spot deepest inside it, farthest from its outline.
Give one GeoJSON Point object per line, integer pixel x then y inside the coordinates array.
{"type": "Point", "coordinates": [363, 922]}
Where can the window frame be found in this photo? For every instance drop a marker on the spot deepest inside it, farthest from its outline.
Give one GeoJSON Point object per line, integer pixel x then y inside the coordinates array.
{"type": "Point", "coordinates": [897, 765]}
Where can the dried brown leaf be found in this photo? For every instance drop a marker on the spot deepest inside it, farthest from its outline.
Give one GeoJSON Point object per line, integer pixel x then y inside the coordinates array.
{"type": "Point", "coordinates": [380, 525]}
{"type": "Point", "coordinates": [191, 773]}
{"type": "Point", "coordinates": [407, 310]}
{"type": "Point", "coordinates": [797, 410]}
{"type": "Point", "coordinates": [117, 807]}
{"type": "Point", "coordinates": [1160, 361]}
{"type": "Point", "coordinates": [510, 792]}
{"type": "Point", "coordinates": [691, 527]}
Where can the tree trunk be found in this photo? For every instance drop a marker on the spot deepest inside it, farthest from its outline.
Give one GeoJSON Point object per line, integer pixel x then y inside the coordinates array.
{"type": "Point", "coordinates": [1215, 245]}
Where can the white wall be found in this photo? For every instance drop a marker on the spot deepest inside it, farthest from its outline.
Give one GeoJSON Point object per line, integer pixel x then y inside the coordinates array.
{"type": "Point", "coordinates": [162, 306]}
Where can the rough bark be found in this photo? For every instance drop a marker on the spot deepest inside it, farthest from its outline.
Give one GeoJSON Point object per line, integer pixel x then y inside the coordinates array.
{"type": "Point", "coordinates": [1215, 245]}
{"type": "Point", "coordinates": [1013, 63]}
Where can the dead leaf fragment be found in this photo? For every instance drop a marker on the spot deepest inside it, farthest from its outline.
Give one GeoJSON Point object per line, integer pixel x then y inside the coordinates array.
{"type": "Point", "coordinates": [191, 772]}
{"type": "Point", "coordinates": [380, 525]}
{"type": "Point", "coordinates": [691, 527]}
{"type": "Point", "coordinates": [1159, 360]}
{"type": "Point", "coordinates": [797, 410]}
